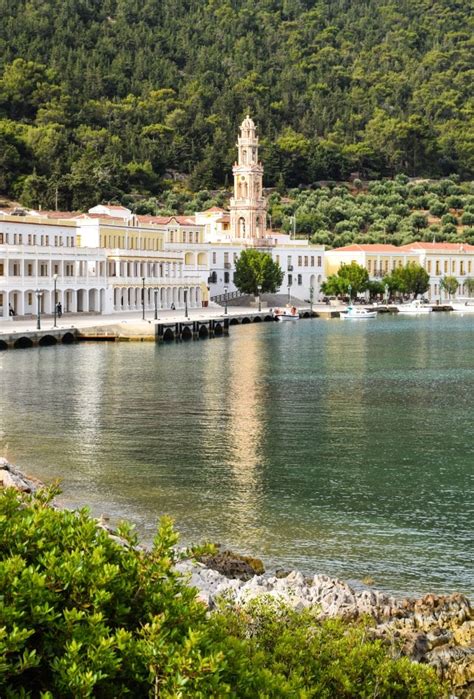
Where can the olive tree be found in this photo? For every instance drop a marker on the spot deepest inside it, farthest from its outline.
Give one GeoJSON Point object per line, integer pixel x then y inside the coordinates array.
{"type": "Point", "coordinates": [469, 285]}
{"type": "Point", "coordinates": [450, 285]}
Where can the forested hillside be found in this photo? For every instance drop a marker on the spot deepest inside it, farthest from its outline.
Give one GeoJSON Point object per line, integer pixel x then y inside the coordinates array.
{"type": "Point", "coordinates": [100, 98]}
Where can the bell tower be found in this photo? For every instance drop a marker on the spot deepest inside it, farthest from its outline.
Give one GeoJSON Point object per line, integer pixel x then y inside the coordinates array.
{"type": "Point", "coordinates": [248, 208]}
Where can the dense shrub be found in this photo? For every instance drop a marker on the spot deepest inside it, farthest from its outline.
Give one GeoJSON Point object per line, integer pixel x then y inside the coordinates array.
{"type": "Point", "coordinates": [87, 614]}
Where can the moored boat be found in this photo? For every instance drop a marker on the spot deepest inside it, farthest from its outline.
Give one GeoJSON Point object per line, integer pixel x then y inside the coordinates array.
{"type": "Point", "coordinates": [414, 307]}
{"type": "Point", "coordinates": [288, 313]}
{"type": "Point", "coordinates": [466, 307]}
{"type": "Point", "coordinates": [353, 313]}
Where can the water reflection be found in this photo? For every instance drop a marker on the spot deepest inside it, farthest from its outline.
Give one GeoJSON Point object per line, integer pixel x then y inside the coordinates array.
{"type": "Point", "coordinates": [246, 407]}
{"type": "Point", "coordinates": [333, 447]}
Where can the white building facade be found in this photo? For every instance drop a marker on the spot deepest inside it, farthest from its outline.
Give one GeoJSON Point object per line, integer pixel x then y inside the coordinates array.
{"type": "Point", "coordinates": [39, 255]}
{"type": "Point", "coordinates": [97, 263]}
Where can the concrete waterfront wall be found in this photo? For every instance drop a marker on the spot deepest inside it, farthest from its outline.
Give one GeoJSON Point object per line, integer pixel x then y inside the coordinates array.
{"type": "Point", "coordinates": [37, 338]}
{"type": "Point", "coordinates": [174, 329]}
{"type": "Point", "coordinates": [192, 330]}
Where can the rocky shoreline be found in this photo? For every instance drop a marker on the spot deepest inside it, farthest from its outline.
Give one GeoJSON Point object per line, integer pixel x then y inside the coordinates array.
{"type": "Point", "coordinates": [435, 629]}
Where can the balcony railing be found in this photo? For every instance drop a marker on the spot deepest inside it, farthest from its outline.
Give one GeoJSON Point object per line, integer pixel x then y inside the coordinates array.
{"type": "Point", "coordinates": [260, 243]}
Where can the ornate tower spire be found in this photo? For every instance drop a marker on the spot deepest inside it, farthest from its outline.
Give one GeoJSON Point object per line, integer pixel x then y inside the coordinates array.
{"type": "Point", "coordinates": [248, 208]}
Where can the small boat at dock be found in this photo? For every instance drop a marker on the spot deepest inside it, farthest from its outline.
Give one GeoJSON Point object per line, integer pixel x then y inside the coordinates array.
{"type": "Point", "coordinates": [288, 313]}
{"type": "Point", "coordinates": [415, 307]}
{"type": "Point", "coordinates": [353, 313]}
{"type": "Point", "coordinates": [466, 307]}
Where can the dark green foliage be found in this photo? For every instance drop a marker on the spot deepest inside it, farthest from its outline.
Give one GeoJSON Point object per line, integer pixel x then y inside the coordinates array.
{"type": "Point", "coordinates": [388, 211]}
{"type": "Point", "coordinates": [255, 269]}
{"type": "Point", "coordinates": [322, 660]}
{"type": "Point", "coordinates": [160, 86]}
{"type": "Point", "coordinates": [410, 279]}
{"type": "Point", "coordinates": [84, 615]}
{"type": "Point", "coordinates": [352, 275]}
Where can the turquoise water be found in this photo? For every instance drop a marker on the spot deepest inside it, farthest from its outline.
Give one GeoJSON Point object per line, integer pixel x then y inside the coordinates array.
{"type": "Point", "coordinates": [332, 447]}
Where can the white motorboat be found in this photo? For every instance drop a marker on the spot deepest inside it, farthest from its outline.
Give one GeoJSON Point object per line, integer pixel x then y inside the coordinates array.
{"type": "Point", "coordinates": [415, 307]}
{"type": "Point", "coordinates": [288, 313]}
{"type": "Point", "coordinates": [353, 313]}
{"type": "Point", "coordinates": [466, 307]}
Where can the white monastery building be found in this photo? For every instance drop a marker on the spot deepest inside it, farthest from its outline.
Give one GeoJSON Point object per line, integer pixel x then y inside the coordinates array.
{"type": "Point", "coordinates": [228, 233]}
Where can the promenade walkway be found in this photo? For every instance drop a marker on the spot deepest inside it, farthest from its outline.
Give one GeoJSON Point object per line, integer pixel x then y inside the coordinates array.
{"type": "Point", "coordinates": [165, 316]}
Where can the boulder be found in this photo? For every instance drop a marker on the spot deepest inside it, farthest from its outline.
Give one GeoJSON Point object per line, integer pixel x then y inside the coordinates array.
{"type": "Point", "coordinates": [233, 565]}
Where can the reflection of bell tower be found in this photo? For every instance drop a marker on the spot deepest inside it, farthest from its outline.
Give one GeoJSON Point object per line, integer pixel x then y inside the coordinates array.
{"type": "Point", "coordinates": [248, 208]}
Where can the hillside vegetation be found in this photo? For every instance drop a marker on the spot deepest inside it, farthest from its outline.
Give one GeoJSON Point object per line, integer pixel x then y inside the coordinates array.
{"type": "Point", "coordinates": [98, 99]}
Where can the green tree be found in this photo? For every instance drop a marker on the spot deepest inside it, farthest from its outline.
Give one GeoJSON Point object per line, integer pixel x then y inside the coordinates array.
{"type": "Point", "coordinates": [469, 285]}
{"type": "Point", "coordinates": [375, 289]}
{"type": "Point", "coordinates": [26, 85]}
{"type": "Point", "coordinates": [467, 219]}
{"type": "Point", "coordinates": [253, 269]}
{"type": "Point", "coordinates": [411, 279]}
{"type": "Point", "coordinates": [353, 275]}
{"type": "Point", "coordinates": [450, 285]}
{"type": "Point", "coordinates": [85, 615]}
{"type": "Point", "coordinates": [418, 221]}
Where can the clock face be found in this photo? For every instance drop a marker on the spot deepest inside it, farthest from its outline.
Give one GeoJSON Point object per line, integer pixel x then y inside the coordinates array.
{"type": "Point", "coordinates": [242, 178]}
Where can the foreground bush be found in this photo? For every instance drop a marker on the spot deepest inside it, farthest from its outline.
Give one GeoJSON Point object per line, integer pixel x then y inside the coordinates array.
{"type": "Point", "coordinates": [84, 614]}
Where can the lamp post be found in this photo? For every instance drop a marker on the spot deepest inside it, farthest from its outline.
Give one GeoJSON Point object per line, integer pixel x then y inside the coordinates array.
{"type": "Point", "coordinates": [39, 294]}
{"type": "Point", "coordinates": [289, 292]}
{"type": "Point", "coordinates": [143, 298]}
{"type": "Point", "coordinates": [349, 289]}
{"type": "Point", "coordinates": [55, 279]}
{"type": "Point", "coordinates": [156, 303]}
{"type": "Point", "coordinates": [259, 287]}
{"type": "Point", "coordinates": [311, 296]}
{"type": "Point", "coordinates": [225, 300]}
{"type": "Point", "coordinates": [185, 303]}
{"type": "Point", "coordinates": [386, 294]}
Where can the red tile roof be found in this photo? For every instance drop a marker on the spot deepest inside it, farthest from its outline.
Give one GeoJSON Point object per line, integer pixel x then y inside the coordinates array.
{"type": "Point", "coordinates": [102, 217]}
{"type": "Point", "coordinates": [453, 247]}
{"type": "Point", "coordinates": [164, 220]}
{"type": "Point", "coordinates": [368, 248]}
{"type": "Point", "coordinates": [59, 214]}
{"type": "Point", "coordinates": [214, 210]}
